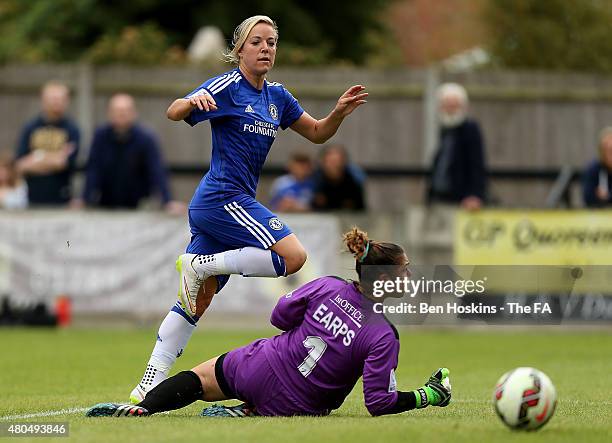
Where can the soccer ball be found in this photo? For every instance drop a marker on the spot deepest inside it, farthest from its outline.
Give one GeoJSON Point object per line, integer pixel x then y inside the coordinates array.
{"type": "Point", "coordinates": [525, 399]}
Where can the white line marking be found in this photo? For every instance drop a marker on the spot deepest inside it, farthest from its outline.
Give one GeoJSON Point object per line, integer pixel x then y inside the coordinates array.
{"type": "Point", "coordinates": [81, 410]}
{"type": "Point", "coordinates": [44, 414]}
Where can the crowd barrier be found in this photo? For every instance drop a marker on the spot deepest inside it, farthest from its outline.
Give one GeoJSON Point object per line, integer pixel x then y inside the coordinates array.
{"type": "Point", "coordinates": [113, 263]}
{"type": "Point", "coordinates": [124, 262]}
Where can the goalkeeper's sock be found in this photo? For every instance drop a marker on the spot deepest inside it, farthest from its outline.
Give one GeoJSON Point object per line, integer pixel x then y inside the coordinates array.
{"type": "Point", "coordinates": [174, 393]}
{"type": "Point", "coordinates": [248, 261]}
{"type": "Point", "coordinates": [174, 333]}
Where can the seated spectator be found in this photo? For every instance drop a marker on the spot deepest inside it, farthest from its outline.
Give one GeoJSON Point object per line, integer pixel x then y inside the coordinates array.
{"type": "Point", "coordinates": [48, 148]}
{"type": "Point", "coordinates": [336, 188]}
{"type": "Point", "coordinates": [125, 163]}
{"type": "Point", "coordinates": [293, 192]}
{"type": "Point", "coordinates": [13, 190]}
{"type": "Point", "coordinates": [458, 174]}
{"type": "Point", "coordinates": [597, 177]}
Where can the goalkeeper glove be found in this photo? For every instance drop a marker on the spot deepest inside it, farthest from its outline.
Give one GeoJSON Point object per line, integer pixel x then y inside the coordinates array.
{"type": "Point", "coordinates": [436, 392]}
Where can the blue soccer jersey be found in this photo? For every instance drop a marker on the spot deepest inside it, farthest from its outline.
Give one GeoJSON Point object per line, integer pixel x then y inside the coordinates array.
{"type": "Point", "coordinates": [243, 129]}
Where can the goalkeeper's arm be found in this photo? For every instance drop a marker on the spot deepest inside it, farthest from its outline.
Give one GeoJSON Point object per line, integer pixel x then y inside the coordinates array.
{"type": "Point", "coordinates": [435, 392]}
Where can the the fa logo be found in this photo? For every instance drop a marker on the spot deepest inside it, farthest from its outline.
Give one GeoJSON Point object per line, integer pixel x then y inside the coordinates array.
{"type": "Point", "coordinates": [273, 111]}
{"type": "Point", "coordinates": [276, 224]}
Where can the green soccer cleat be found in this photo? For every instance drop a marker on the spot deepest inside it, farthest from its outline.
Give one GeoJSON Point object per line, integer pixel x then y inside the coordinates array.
{"type": "Point", "coordinates": [116, 410]}
{"type": "Point", "coordinates": [437, 390]}
{"type": "Point", "coordinates": [242, 410]}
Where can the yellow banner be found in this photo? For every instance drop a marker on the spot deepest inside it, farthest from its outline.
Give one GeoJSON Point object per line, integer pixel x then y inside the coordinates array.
{"type": "Point", "coordinates": [553, 237]}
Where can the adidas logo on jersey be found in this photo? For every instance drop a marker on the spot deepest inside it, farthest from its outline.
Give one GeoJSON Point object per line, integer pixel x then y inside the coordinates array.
{"type": "Point", "coordinates": [249, 109]}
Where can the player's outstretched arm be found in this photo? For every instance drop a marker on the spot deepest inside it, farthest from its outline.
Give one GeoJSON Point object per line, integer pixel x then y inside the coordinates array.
{"type": "Point", "coordinates": [435, 392]}
{"type": "Point", "coordinates": [379, 384]}
{"type": "Point", "coordinates": [319, 131]}
{"type": "Point", "coordinates": [182, 107]}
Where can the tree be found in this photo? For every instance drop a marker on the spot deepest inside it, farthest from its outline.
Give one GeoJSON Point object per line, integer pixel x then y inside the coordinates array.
{"type": "Point", "coordinates": [65, 30]}
{"type": "Point", "coordinates": [551, 34]}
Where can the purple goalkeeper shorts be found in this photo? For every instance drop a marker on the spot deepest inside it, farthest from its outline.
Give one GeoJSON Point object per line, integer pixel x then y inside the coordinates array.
{"type": "Point", "coordinates": [247, 376]}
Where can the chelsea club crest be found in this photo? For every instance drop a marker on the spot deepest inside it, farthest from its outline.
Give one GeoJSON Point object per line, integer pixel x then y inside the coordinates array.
{"type": "Point", "coordinates": [273, 111]}
{"type": "Point", "coordinates": [275, 224]}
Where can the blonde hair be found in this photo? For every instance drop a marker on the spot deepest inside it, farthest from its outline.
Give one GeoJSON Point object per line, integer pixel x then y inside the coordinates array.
{"type": "Point", "coordinates": [453, 90]}
{"type": "Point", "coordinates": [242, 32]}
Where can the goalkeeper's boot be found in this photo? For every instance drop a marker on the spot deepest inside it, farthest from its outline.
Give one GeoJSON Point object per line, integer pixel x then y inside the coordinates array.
{"type": "Point", "coordinates": [242, 410]}
{"type": "Point", "coordinates": [116, 410]}
{"type": "Point", "coordinates": [437, 390]}
{"type": "Point", "coordinates": [191, 280]}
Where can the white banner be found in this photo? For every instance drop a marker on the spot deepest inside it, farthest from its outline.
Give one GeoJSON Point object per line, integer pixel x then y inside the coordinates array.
{"type": "Point", "coordinates": [123, 262]}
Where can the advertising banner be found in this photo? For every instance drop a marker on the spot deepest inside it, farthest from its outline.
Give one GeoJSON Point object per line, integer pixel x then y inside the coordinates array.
{"type": "Point", "coordinates": [125, 261]}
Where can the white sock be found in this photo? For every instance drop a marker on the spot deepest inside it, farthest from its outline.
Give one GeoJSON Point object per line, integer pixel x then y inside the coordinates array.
{"type": "Point", "coordinates": [249, 261]}
{"type": "Point", "coordinates": [172, 337]}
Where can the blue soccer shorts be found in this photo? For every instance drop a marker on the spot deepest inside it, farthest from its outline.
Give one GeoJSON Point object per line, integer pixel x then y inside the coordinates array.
{"type": "Point", "coordinates": [241, 222]}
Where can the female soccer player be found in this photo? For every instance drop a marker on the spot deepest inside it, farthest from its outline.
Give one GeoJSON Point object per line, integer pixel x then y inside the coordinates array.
{"type": "Point", "coordinates": [232, 233]}
{"type": "Point", "coordinates": [333, 336]}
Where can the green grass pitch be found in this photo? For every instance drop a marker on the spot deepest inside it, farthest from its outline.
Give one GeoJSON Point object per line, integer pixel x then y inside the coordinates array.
{"type": "Point", "coordinates": [50, 370]}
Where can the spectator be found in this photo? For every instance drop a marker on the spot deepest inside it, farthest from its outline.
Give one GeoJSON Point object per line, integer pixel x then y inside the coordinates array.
{"type": "Point", "coordinates": [293, 192]}
{"type": "Point", "coordinates": [458, 173]}
{"type": "Point", "coordinates": [597, 177]}
{"type": "Point", "coordinates": [125, 163]}
{"type": "Point", "coordinates": [335, 186]}
{"type": "Point", "coordinates": [48, 148]}
{"type": "Point", "coordinates": [13, 190]}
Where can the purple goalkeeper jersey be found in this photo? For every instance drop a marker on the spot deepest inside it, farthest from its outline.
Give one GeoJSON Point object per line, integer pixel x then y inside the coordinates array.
{"type": "Point", "coordinates": [332, 338]}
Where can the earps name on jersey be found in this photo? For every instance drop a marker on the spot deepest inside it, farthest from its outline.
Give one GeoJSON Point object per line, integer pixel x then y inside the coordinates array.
{"type": "Point", "coordinates": [334, 324]}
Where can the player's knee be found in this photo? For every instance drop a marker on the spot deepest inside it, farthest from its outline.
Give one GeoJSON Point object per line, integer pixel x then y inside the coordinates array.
{"type": "Point", "coordinates": [295, 261]}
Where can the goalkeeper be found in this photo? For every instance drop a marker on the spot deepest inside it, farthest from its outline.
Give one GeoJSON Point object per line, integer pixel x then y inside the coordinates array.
{"type": "Point", "coordinates": [332, 337]}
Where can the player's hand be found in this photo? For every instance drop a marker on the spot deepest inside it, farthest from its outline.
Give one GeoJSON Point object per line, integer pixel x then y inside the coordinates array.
{"type": "Point", "coordinates": [204, 102]}
{"type": "Point", "coordinates": [351, 100]}
{"type": "Point", "coordinates": [440, 384]}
